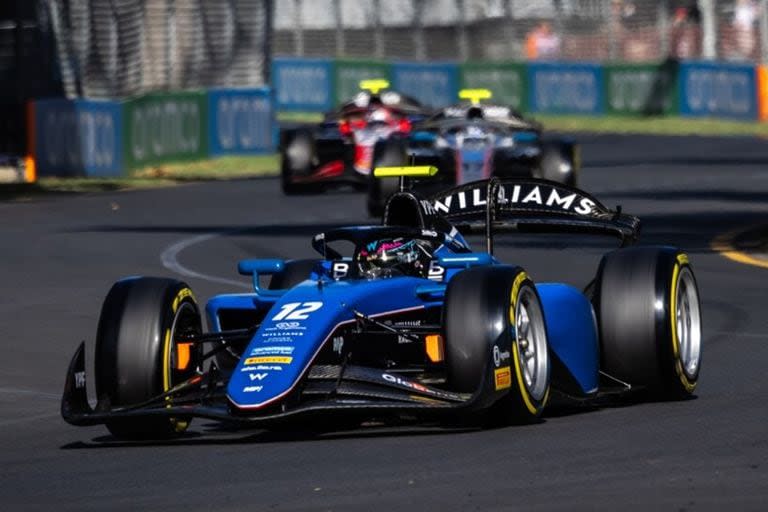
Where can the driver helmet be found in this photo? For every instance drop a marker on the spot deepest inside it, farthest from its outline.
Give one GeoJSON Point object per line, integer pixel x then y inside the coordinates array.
{"type": "Point", "coordinates": [394, 256]}
{"type": "Point", "coordinates": [380, 115]}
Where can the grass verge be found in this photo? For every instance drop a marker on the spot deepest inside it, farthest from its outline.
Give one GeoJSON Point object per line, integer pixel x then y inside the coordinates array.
{"type": "Point", "coordinates": [653, 125]}
{"type": "Point", "coordinates": [234, 167]}
{"type": "Point", "coordinates": [614, 124]}
{"type": "Point", "coordinates": [163, 175]}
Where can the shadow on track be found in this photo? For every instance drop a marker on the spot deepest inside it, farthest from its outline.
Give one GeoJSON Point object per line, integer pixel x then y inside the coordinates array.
{"type": "Point", "coordinates": [222, 434]}
{"type": "Point", "coordinates": [691, 231]}
{"type": "Point", "coordinates": [290, 230]}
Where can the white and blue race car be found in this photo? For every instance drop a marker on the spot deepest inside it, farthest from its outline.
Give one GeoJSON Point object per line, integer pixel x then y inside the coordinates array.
{"type": "Point", "coordinates": [472, 141]}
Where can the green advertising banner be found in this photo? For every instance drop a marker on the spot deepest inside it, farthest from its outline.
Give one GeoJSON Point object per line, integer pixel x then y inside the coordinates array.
{"type": "Point", "coordinates": [349, 73]}
{"type": "Point", "coordinates": [648, 89]}
{"type": "Point", "coordinates": [165, 126]}
{"type": "Point", "coordinates": [507, 81]}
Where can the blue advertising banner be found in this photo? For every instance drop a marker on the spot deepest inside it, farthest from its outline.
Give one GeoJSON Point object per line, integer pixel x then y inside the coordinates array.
{"type": "Point", "coordinates": [303, 84]}
{"type": "Point", "coordinates": [718, 90]}
{"type": "Point", "coordinates": [78, 138]}
{"type": "Point", "coordinates": [240, 121]}
{"type": "Point", "coordinates": [565, 88]}
{"type": "Point", "coordinates": [435, 85]}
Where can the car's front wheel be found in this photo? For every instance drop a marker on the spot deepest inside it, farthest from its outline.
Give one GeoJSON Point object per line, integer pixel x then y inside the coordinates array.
{"type": "Point", "coordinates": [496, 341]}
{"type": "Point", "coordinates": [139, 354]}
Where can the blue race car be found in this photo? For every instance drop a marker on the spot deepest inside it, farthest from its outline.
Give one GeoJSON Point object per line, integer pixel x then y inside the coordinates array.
{"type": "Point", "coordinates": [472, 141]}
{"type": "Point", "coordinates": [400, 320]}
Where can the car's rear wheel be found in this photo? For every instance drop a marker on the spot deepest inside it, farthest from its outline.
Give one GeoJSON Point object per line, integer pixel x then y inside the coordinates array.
{"type": "Point", "coordinates": [296, 163]}
{"type": "Point", "coordinates": [560, 162]}
{"type": "Point", "coordinates": [387, 153]}
{"type": "Point", "coordinates": [496, 342]}
{"type": "Point", "coordinates": [138, 352]}
{"type": "Point", "coordinates": [649, 316]}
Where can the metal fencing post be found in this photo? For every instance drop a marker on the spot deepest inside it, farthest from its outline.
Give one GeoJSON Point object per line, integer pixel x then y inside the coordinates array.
{"type": "Point", "coordinates": [763, 27]}
{"type": "Point", "coordinates": [418, 31]}
{"type": "Point", "coordinates": [378, 33]}
{"type": "Point", "coordinates": [340, 39]}
{"type": "Point", "coordinates": [269, 28]}
{"type": "Point", "coordinates": [708, 29]}
{"type": "Point", "coordinates": [298, 32]}
{"type": "Point", "coordinates": [662, 24]}
{"type": "Point", "coordinates": [613, 21]}
{"type": "Point", "coordinates": [462, 25]}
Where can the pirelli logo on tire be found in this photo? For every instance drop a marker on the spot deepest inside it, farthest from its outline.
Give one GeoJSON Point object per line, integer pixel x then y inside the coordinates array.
{"type": "Point", "coordinates": [502, 378]}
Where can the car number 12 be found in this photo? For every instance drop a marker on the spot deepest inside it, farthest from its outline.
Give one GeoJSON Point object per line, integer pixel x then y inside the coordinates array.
{"type": "Point", "coordinates": [296, 310]}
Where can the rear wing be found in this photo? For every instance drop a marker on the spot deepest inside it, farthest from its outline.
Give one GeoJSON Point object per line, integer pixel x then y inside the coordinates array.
{"type": "Point", "coordinates": [532, 206]}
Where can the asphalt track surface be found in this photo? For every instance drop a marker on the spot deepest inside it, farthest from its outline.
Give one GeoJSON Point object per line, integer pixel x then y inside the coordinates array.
{"type": "Point", "coordinates": [60, 255]}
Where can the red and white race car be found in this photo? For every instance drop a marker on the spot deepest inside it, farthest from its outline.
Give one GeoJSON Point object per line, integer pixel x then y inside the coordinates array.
{"type": "Point", "coordinates": [368, 131]}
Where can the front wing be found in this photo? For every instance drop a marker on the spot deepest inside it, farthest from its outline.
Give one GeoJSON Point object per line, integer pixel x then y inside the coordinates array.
{"type": "Point", "coordinates": [327, 389]}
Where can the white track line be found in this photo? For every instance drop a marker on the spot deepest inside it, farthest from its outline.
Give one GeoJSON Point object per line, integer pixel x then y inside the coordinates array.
{"type": "Point", "coordinates": [15, 391]}
{"type": "Point", "coordinates": [170, 259]}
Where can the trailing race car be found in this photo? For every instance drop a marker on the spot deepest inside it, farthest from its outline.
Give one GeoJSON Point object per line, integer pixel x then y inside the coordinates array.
{"type": "Point", "coordinates": [344, 148]}
{"type": "Point", "coordinates": [408, 322]}
{"type": "Point", "coordinates": [472, 141]}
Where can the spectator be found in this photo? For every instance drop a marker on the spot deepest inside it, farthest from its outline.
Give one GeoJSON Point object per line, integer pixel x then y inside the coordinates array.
{"type": "Point", "coordinates": [542, 42]}
{"type": "Point", "coordinates": [686, 33]}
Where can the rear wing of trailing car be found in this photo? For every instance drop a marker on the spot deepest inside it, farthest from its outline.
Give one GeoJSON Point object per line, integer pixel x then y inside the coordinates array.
{"type": "Point", "coordinates": [530, 206]}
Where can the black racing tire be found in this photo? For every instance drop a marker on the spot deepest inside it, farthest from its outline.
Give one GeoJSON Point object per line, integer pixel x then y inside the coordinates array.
{"type": "Point", "coordinates": [296, 161]}
{"type": "Point", "coordinates": [390, 152]}
{"type": "Point", "coordinates": [293, 273]}
{"type": "Point", "coordinates": [135, 357]}
{"type": "Point", "coordinates": [560, 162]}
{"type": "Point", "coordinates": [649, 317]}
{"type": "Point", "coordinates": [485, 353]}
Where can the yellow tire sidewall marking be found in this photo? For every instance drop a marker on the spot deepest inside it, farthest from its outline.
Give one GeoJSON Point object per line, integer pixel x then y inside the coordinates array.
{"type": "Point", "coordinates": [178, 425]}
{"type": "Point", "coordinates": [521, 277]}
{"type": "Point", "coordinates": [181, 295]}
{"type": "Point", "coordinates": [682, 259]}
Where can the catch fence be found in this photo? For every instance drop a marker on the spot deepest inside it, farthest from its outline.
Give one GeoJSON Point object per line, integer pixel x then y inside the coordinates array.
{"type": "Point", "coordinates": [470, 30]}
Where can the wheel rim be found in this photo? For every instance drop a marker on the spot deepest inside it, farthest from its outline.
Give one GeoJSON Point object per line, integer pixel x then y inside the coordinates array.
{"type": "Point", "coordinates": [688, 322]}
{"type": "Point", "coordinates": [185, 320]}
{"type": "Point", "coordinates": [531, 343]}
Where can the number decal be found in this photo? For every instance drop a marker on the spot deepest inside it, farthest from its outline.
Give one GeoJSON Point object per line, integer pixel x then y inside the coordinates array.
{"type": "Point", "coordinates": [340, 269]}
{"type": "Point", "coordinates": [296, 310]}
{"type": "Point", "coordinates": [436, 272]}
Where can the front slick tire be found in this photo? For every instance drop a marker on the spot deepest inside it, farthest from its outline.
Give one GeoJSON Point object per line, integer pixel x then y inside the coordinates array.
{"type": "Point", "coordinates": [137, 356]}
{"type": "Point", "coordinates": [496, 342]}
{"type": "Point", "coordinates": [649, 316]}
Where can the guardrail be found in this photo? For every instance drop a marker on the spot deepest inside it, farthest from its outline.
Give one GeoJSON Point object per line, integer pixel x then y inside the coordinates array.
{"type": "Point", "coordinates": [110, 138]}
{"type": "Point", "coordinates": [686, 88]}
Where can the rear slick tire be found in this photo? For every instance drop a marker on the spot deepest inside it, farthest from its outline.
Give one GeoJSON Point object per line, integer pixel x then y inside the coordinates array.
{"type": "Point", "coordinates": [387, 153]}
{"type": "Point", "coordinates": [649, 316]}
